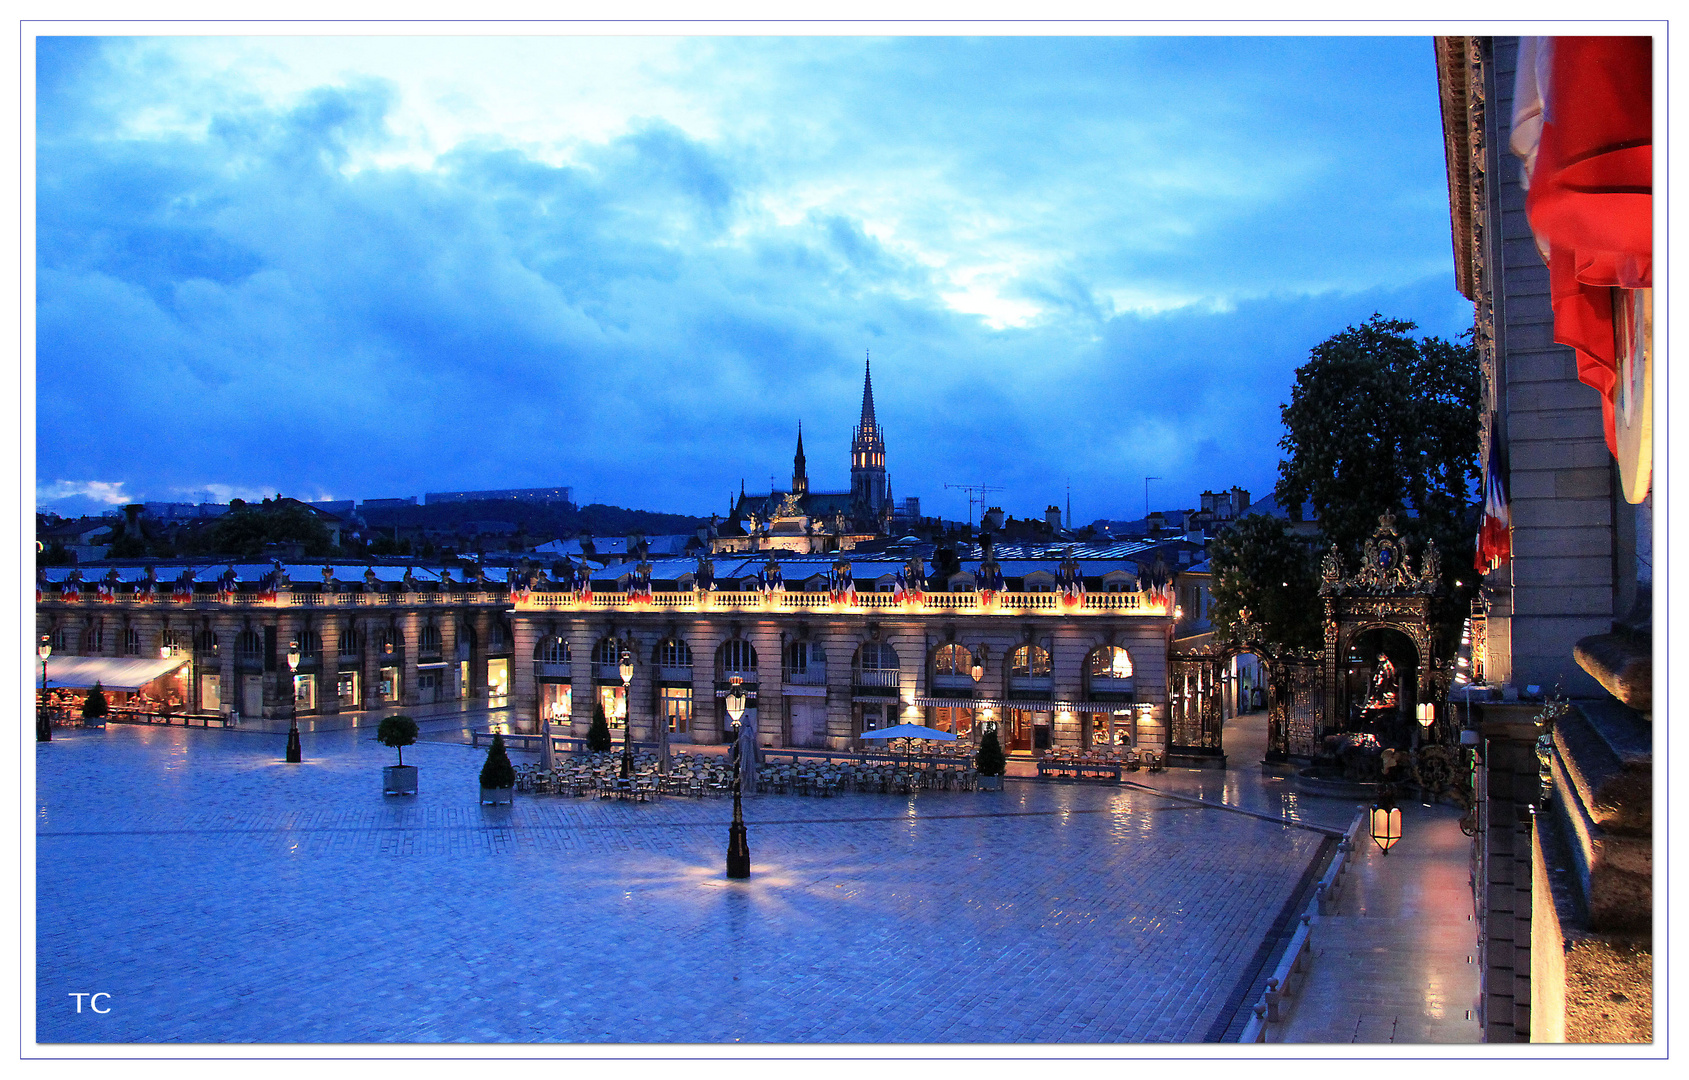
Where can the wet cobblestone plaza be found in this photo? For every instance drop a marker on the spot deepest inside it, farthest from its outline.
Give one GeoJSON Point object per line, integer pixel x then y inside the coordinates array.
{"type": "Point", "coordinates": [221, 895]}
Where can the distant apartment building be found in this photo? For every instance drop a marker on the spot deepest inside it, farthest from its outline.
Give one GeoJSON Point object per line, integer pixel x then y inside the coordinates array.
{"type": "Point", "coordinates": [387, 504]}
{"type": "Point", "coordinates": [534, 495]}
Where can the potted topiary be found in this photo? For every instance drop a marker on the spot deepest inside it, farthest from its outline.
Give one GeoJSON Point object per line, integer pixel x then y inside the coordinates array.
{"type": "Point", "coordinates": [94, 706]}
{"type": "Point", "coordinates": [398, 732]}
{"type": "Point", "coordinates": [498, 777]}
{"type": "Point", "coordinates": [991, 763]}
{"type": "Point", "coordinates": [598, 735]}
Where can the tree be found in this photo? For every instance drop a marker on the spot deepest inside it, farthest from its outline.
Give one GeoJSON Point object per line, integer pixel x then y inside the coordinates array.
{"type": "Point", "coordinates": [598, 735]}
{"type": "Point", "coordinates": [498, 772]}
{"type": "Point", "coordinates": [94, 705]}
{"type": "Point", "coordinates": [990, 760]}
{"type": "Point", "coordinates": [397, 732]}
{"type": "Point", "coordinates": [1261, 567]}
{"type": "Point", "coordinates": [1382, 422]}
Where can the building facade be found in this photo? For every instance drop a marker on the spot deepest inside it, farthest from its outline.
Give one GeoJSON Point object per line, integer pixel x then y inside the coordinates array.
{"type": "Point", "coordinates": [1050, 653]}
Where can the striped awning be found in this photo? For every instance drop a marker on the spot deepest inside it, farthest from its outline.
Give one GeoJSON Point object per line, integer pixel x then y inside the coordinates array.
{"type": "Point", "coordinates": [111, 672]}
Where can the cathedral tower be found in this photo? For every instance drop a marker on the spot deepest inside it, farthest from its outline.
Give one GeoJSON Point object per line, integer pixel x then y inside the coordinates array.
{"type": "Point", "coordinates": [800, 477]}
{"type": "Point", "coordinates": [868, 452]}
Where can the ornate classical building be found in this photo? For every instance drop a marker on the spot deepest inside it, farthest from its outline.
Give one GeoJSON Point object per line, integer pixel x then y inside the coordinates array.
{"type": "Point", "coordinates": [1050, 651]}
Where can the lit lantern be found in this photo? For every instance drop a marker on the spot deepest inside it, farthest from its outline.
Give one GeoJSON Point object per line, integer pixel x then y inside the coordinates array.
{"type": "Point", "coordinates": [1425, 713]}
{"type": "Point", "coordinates": [1386, 823]}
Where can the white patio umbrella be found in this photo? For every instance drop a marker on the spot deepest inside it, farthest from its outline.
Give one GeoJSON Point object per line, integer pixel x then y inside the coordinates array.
{"type": "Point", "coordinates": [910, 731]}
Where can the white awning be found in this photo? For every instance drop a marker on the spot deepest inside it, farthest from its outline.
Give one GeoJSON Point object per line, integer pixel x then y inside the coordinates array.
{"type": "Point", "coordinates": [111, 672]}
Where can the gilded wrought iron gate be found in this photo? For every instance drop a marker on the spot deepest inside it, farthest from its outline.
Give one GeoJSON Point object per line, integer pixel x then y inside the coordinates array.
{"type": "Point", "coordinates": [1194, 705]}
{"type": "Point", "coordinates": [1295, 707]}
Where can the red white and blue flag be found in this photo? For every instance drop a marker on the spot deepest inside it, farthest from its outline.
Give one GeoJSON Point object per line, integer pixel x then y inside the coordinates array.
{"type": "Point", "coordinates": [107, 588]}
{"type": "Point", "coordinates": [1495, 528]}
{"type": "Point", "coordinates": [639, 584]}
{"type": "Point", "coordinates": [267, 587]}
{"type": "Point", "coordinates": [1070, 584]}
{"type": "Point", "coordinates": [770, 578]}
{"type": "Point", "coordinates": [990, 582]}
{"type": "Point", "coordinates": [841, 583]}
{"type": "Point", "coordinates": [71, 587]}
{"type": "Point", "coordinates": [227, 585]}
{"type": "Point", "coordinates": [182, 590]}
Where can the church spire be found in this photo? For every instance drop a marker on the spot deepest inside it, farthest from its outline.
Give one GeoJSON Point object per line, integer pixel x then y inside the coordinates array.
{"type": "Point", "coordinates": [800, 477]}
{"type": "Point", "coordinates": [868, 421]}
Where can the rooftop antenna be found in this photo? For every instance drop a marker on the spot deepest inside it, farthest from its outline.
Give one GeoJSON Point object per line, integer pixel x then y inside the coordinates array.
{"type": "Point", "coordinates": [1070, 502]}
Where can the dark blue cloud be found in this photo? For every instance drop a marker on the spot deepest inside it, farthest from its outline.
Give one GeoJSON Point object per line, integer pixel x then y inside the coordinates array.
{"type": "Point", "coordinates": [258, 305]}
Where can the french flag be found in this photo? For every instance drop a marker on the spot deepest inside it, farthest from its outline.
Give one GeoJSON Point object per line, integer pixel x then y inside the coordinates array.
{"type": "Point", "coordinates": [1495, 530]}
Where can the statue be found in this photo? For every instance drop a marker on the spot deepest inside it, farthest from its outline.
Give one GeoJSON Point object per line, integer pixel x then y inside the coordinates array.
{"type": "Point", "coordinates": [1382, 691]}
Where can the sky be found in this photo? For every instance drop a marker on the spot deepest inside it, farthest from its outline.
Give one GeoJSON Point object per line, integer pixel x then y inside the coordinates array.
{"type": "Point", "coordinates": [366, 267]}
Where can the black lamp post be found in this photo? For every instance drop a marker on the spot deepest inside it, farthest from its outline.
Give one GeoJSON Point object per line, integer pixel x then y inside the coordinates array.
{"type": "Point", "coordinates": [738, 844]}
{"type": "Point", "coordinates": [626, 669]}
{"type": "Point", "coordinates": [43, 723]}
{"type": "Point", "coordinates": [295, 755]}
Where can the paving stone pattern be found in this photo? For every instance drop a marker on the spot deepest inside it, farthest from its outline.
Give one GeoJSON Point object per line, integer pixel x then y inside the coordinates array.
{"type": "Point", "coordinates": [221, 895]}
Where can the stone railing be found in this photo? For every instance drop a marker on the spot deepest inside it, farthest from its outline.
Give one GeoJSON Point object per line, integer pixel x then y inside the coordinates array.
{"type": "Point", "coordinates": [959, 603]}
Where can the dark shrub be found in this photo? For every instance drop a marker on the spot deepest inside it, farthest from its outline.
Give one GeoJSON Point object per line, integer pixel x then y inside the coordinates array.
{"type": "Point", "coordinates": [598, 736]}
{"type": "Point", "coordinates": [498, 772]}
{"type": "Point", "coordinates": [990, 760]}
{"type": "Point", "coordinates": [94, 705]}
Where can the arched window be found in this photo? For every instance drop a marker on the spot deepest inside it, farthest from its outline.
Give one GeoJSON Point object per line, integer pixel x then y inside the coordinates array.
{"type": "Point", "coordinates": [94, 639]}
{"type": "Point", "coordinates": [953, 660]}
{"type": "Point", "coordinates": [738, 657]}
{"type": "Point", "coordinates": [1029, 662]}
{"type": "Point", "coordinates": [310, 644]}
{"type": "Point", "coordinates": [497, 638]}
{"type": "Point", "coordinates": [607, 651]}
{"type": "Point", "coordinates": [58, 637]}
{"type": "Point", "coordinates": [876, 656]}
{"type": "Point", "coordinates": [674, 653]}
{"type": "Point", "coordinates": [206, 642]}
{"type": "Point", "coordinates": [1111, 662]}
{"type": "Point", "coordinates": [169, 639]}
{"type": "Point", "coordinates": [249, 647]}
{"type": "Point", "coordinates": [429, 641]}
{"type": "Point", "coordinates": [131, 641]}
{"type": "Point", "coordinates": [387, 641]}
{"type": "Point", "coordinates": [552, 650]}
{"type": "Point", "coordinates": [351, 642]}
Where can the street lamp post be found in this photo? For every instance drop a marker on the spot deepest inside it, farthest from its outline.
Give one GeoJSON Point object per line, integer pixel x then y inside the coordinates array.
{"type": "Point", "coordinates": [738, 844]}
{"type": "Point", "coordinates": [43, 723]}
{"type": "Point", "coordinates": [626, 670]}
{"type": "Point", "coordinates": [295, 755]}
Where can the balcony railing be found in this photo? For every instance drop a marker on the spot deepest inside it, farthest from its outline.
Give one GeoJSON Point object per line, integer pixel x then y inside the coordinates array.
{"type": "Point", "coordinates": [813, 675]}
{"type": "Point", "coordinates": [966, 603]}
{"type": "Point", "coordinates": [877, 679]}
{"type": "Point", "coordinates": [554, 671]}
{"type": "Point", "coordinates": [666, 673]}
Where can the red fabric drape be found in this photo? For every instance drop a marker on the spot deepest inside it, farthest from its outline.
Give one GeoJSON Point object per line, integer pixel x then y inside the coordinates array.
{"type": "Point", "coordinates": [1591, 194]}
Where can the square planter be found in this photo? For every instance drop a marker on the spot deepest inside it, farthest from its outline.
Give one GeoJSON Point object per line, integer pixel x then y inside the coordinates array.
{"type": "Point", "coordinates": [496, 796]}
{"type": "Point", "coordinates": [398, 780]}
{"type": "Point", "coordinates": [991, 783]}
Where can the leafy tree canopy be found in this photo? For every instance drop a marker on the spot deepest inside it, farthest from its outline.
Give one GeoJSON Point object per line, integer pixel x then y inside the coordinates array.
{"type": "Point", "coordinates": [1259, 566]}
{"type": "Point", "coordinates": [245, 529]}
{"type": "Point", "coordinates": [1381, 421]}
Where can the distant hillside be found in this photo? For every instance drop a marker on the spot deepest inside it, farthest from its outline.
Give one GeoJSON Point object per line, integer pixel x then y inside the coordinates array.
{"type": "Point", "coordinates": [539, 521]}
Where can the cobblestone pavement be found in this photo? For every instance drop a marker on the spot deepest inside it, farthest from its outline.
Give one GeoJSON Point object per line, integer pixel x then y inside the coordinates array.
{"type": "Point", "coordinates": [221, 895]}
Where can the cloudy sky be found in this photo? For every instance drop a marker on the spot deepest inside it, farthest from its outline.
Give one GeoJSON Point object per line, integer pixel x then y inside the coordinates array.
{"type": "Point", "coordinates": [367, 267]}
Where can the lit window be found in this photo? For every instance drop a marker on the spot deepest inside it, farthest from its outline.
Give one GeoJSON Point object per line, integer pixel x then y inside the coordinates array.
{"type": "Point", "coordinates": [1029, 661]}
{"type": "Point", "coordinates": [1111, 662]}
